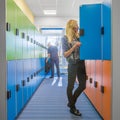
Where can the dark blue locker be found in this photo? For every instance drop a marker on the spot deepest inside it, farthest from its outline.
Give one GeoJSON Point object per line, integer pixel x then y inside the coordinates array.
{"type": "Point", "coordinates": [42, 64]}
{"type": "Point", "coordinates": [32, 73]}
{"type": "Point", "coordinates": [106, 37]}
{"type": "Point", "coordinates": [25, 83]}
{"type": "Point", "coordinates": [27, 69]}
{"type": "Point", "coordinates": [11, 103]}
{"type": "Point", "coordinates": [90, 28]}
{"type": "Point", "coordinates": [31, 77]}
{"type": "Point", "coordinates": [40, 68]}
{"type": "Point", "coordinates": [19, 90]}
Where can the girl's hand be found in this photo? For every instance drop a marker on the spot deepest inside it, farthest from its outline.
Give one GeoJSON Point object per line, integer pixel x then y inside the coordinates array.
{"type": "Point", "coordinates": [77, 44]}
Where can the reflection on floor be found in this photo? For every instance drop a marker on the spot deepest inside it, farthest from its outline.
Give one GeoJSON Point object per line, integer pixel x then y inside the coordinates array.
{"type": "Point", "coordinates": [50, 103]}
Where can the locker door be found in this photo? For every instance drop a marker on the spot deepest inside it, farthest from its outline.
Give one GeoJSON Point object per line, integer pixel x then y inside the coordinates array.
{"type": "Point", "coordinates": [106, 37]}
{"type": "Point", "coordinates": [19, 90]}
{"type": "Point", "coordinates": [19, 40]}
{"type": "Point", "coordinates": [10, 27]}
{"type": "Point", "coordinates": [90, 29]}
{"type": "Point", "coordinates": [11, 103]}
{"type": "Point", "coordinates": [25, 86]}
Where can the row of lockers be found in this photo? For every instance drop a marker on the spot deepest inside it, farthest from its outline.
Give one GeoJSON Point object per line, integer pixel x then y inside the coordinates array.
{"type": "Point", "coordinates": [99, 86]}
{"type": "Point", "coordinates": [22, 38]}
{"type": "Point", "coordinates": [21, 48]}
{"type": "Point", "coordinates": [23, 78]}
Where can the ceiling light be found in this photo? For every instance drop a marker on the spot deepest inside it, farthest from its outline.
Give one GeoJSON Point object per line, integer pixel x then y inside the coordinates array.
{"type": "Point", "coordinates": [49, 12]}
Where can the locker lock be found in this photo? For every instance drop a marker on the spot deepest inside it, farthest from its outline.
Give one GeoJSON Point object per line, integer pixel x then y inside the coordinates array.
{"type": "Point", "coordinates": [17, 32]}
{"type": "Point", "coordinates": [23, 82]}
{"type": "Point", "coordinates": [8, 27]}
{"type": "Point", "coordinates": [102, 30]}
{"type": "Point", "coordinates": [95, 84]}
{"type": "Point", "coordinates": [8, 94]}
{"type": "Point", "coordinates": [17, 87]}
{"type": "Point", "coordinates": [81, 32]}
{"type": "Point", "coordinates": [102, 89]}
{"type": "Point", "coordinates": [31, 76]}
{"type": "Point", "coordinates": [90, 80]}
{"type": "Point", "coordinates": [28, 79]}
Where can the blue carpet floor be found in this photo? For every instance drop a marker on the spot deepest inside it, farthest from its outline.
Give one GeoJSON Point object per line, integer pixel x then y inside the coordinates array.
{"type": "Point", "coordinates": [50, 103]}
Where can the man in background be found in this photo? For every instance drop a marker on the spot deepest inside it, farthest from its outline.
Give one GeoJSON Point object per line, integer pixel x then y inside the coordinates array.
{"type": "Point", "coordinates": [54, 59]}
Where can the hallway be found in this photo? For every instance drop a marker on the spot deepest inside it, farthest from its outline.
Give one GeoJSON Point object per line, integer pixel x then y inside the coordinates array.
{"type": "Point", "coordinates": [50, 103]}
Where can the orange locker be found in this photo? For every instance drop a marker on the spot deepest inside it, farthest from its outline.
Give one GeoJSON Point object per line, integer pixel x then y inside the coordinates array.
{"type": "Point", "coordinates": [97, 86]}
{"type": "Point", "coordinates": [92, 79]}
{"type": "Point", "coordinates": [88, 71]}
{"type": "Point", "coordinates": [106, 89]}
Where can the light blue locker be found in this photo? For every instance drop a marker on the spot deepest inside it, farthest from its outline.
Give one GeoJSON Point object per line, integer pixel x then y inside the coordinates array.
{"type": "Point", "coordinates": [95, 29]}
{"type": "Point", "coordinates": [106, 37]}
{"type": "Point", "coordinates": [11, 103]}
{"type": "Point", "coordinates": [19, 90]}
{"type": "Point", "coordinates": [90, 26]}
{"type": "Point", "coordinates": [42, 63]}
{"type": "Point", "coordinates": [24, 82]}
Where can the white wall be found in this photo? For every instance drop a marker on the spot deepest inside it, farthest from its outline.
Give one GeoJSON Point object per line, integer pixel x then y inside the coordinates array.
{"type": "Point", "coordinates": [51, 22]}
{"type": "Point", "coordinates": [3, 96]}
{"type": "Point", "coordinates": [116, 59]}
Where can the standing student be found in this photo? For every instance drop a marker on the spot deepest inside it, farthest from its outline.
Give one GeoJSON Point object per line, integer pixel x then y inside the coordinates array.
{"type": "Point", "coordinates": [54, 59]}
{"type": "Point", "coordinates": [76, 67]}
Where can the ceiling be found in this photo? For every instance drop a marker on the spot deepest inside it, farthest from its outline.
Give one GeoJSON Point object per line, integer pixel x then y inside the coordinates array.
{"type": "Point", "coordinates": [64, 8]}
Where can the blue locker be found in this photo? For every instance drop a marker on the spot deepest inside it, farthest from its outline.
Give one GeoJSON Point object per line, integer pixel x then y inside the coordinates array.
{"type": "Point", "coordinates": [27, 69]}
{"type": "Point", "coordinates": [90, 28]}
{"type": "Point", "coordinates": [32, 73]}
{"type": "Point", "coordinates": [11, 103]}
{"type": "Point", "coordinates": [106, 37]}
{"type": "Point", "coordinates": [95, 29]}
{"type": "Point", "coordinates": [24, 82]}
{"type": "Point", "coordinates": [42, 64]}
{"type": "Point", "coordinates": [19, 90]}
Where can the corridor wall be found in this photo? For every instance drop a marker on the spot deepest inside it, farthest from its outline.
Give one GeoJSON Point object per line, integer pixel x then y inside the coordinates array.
{"type": "Point", "coordinates": [95, 30]}
{"type": "Point", "coordinates": [25, 59]}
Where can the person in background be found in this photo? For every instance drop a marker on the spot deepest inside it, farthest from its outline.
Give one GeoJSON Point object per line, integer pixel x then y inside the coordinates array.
{"type": "Point", "coordinates": [76, 67]}
{"type": "Point", "coordinates": [54, 59]}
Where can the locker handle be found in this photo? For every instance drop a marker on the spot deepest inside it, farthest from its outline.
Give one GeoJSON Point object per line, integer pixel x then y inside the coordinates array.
{"type": "Point", "coordinates": [81, 32]}
{"type": "Point", "coordinates": [8, 27]}
{"type": "Point", "coordinates": [17, 87]}
{"type": "Point", "coordinates": [102, 30]}
{"type": "Point", "coordinates": [27, 38]}
{"type": "Point", "coordinates": [23, 82]}
{"type": "Point", "coordinates": [28, 79]}
{"type": "Point", "coordinates": [95, 84]}
{"type": "Point", "coordinates": [102, 89]}
{"type": "Point", "coordinates": [8, 94]}
{"type": "Point", "coordinates": [31, 76]}
{"type": "Point", "coordinates": [23, 35]}
{"type": "Point", "coordinates": [17, 32]}
{"type": "Point", "coordinates": [31, 40]}
{"type": "Point", "coordinates": [34, 74]}
{"type": "Point", "coordinates": [91, 80]}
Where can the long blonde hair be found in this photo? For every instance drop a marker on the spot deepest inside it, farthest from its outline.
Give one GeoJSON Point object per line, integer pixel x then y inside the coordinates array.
{"type": "Point", "coordinates": [70, 33]}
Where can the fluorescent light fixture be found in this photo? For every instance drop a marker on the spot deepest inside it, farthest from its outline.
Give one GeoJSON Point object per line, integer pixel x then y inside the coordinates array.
{"type": "Point", "coordinates": [49, 12]}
